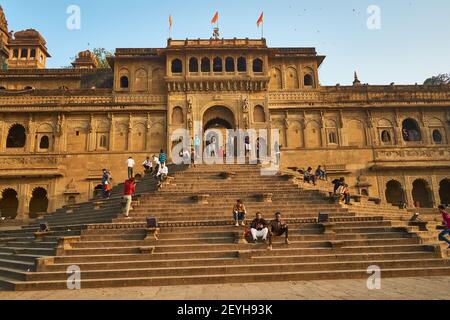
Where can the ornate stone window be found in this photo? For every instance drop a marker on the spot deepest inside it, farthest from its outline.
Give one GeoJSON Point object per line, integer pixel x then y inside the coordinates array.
{"type": "Point", "coordinates": [177, 66]}
{"type": "Point", "coordinates": [177, 116]}
{"type": "Point", "coordinates": [386, 137]}
{"type": "Point", "coordinates": [206, 65]}
{"type": "Point", "coordinates": [308, 80]}
{"type": "Point", "coordinates": [411, 130]}
{"type": "Point", "coordinates": [193, 65]}
{"type": "Point", "coordinates": [16, 137]}
{"type": "Point", "coordinates": [24, 54]}
{"type": "Point", "coordinates": [259, 115]}
{"type": "Point", "coordinates": [242, 64]}
{"type": "Point", "coordinates": [257, 65]}
{"type": "Point", "coordinates": [332, 137]}
{"type": "Point", "coordinates": [229, 64]}
{"type": "Point", "coordinates": [217, 65]}
{"type": "Point", "coordinates": [33, 54]}
{"type": "Point", "coordinates": [44, 143]}
{"type": "Point", "coordinates": [15, 53]}
{"type": "Point", "coordinates": [437, 136]}
{"type": "Point", "coordinates": [103, 143]}
{"type": "Point", "coordinates": [124, 82]}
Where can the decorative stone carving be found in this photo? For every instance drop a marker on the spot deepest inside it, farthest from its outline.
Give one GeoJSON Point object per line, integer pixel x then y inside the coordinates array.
{"type": "Point", "coordinates": [245, 105]}
{"type": "Point", "coordinates": [189, 105]}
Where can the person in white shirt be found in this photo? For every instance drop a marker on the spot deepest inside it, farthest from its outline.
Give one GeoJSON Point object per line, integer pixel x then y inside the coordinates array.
{"type": "Point", "coordinates": [162, 174]}
{"type": "Point", "coordinates": [156, 165]}
{"type": "Point", "coordinates": [130, 164]}
{"type": "Point", "coordinates": [147, 164]}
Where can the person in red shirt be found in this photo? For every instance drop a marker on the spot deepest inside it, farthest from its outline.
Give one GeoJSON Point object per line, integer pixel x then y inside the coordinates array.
{"type": "Point", "coordinates": [129, 190]}
{"type": "Point", "coordinates": [446, 221]}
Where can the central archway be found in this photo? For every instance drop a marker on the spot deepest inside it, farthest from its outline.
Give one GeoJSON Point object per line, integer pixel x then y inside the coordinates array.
{"type": "Point", "coordinates": [422, 194]}
{"type": "Point", "coordinates": [216, 121]}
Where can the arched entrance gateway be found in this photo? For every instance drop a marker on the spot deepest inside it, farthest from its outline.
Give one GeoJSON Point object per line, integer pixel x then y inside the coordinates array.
{"type": "Point", "coordinates": [217, 121]}
{"type": "Point", "coordinates": [38, 202]}
{"type": "Point", "coordinates": [9, 203]}
{"type": "Point", "coordinates": [395, 193]}
{"type": "Point", "coordinates": [422, 194]}
{"type": "Point", "coordinates": [444, 191]}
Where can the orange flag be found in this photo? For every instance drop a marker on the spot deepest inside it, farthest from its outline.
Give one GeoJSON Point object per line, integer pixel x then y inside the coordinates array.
{"type": "Point", "coordinates": [260, 20]}
{"type": "Point", "coordinates": [215, 18]}
{"type": "Point", "coordinates": [170, 21]}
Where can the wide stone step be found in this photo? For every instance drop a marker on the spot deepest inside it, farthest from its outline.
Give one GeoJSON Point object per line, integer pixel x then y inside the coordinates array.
{"type": "Point", "coordinates": [139, 264]}
{"type": "Point", "coordinates": [235, 278]}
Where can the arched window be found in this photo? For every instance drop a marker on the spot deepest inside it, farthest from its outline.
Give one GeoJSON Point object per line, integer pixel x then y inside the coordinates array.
{"type": "Point", "coordinates": [16, 53]}
{"type": "Point", "coordinates": [229, 64]}
{"type": "Point", "coordinates": [217, 65]}
{"type": "Point", "coordinates": [242, 64]}
{"type": "Point", "coordinates": [259, 115]}
{"type": "Point", "coordinates": [257, 65]}
{"type": "Point", "coordinates": [124, 83]}
{"type": "Point", "coordinates": [193, 65]}
{"type": "Point", "coordinates": [2, 88]}
{"type": "Point", "coordinates": [386, 137]}
{"type": "Point", "coordinates": [44, 143]}
{"type": "Point", "coordinates": [177, 66]}
{"type": "Point", "coordinates": [24, 53]}
{"type": "Point", "coordinates": [206, 65]}
{"type": "Point", "coordinates": [332, 138]}
{"type": "Point", "coordinates": [28, 88]}
{"type": "Point", "coordinates": [437, 136]}
{"type": "Point", "coordinates": [103, 141]}
{"type": "Point", "coordinates": [411, 130]}
{"type": "Point", "coordinates": [421, 193]}
{"type": "Point", "coordinates": [16, 137]}
{"type": "Point", "coordinates": [308, 80]}
{"type": "Point", "coordinates": [177, 116]}
{"type": "Point", "coordinates": [33, 54]}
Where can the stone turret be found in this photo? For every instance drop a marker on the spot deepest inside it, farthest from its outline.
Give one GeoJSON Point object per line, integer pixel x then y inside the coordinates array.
{"type": "Point", "coordinates": [85, 60]}
{"type": "Point", "coordinates": [4, 40]}
{"type": "Point", "coordinates": [28, 50]}
{"type": "Point", "coordinates": [356, 81]}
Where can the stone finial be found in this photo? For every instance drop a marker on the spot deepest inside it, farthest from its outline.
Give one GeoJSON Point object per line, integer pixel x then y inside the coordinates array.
{"type": "Point", "coordinates": [356, 81]}
{"type": "Point", "coordinates": [85, 60]}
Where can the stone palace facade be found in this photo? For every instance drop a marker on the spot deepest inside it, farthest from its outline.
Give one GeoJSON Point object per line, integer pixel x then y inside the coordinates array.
{"type": "Point", "coordinates": [60, 127]}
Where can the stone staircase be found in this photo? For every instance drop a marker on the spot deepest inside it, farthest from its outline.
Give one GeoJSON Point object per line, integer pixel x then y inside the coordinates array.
{"type": "Point", "coordinates": [197, 243]}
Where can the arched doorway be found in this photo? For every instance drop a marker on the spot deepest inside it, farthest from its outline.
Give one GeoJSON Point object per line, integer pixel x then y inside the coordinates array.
{"type": "Point", "coordinates": [38, 202]}
{"type": "Point", "coordinates": [217, 121]}
{"type": "Point", "coordinates": [9, 204]}
{"type": "Point", "coordinates": [444, 191]}
{"type": "Point", "coordinates": [16, 137]}
{"type": "Point", "coordinates": [421, 194]}
{"type": "Point", "coordinates": [395, 193]}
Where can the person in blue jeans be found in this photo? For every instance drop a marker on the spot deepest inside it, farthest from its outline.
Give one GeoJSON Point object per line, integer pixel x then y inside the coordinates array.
{"type": "Point", "coordinates": [239, 213]}
{"type": "Point", "coordinates": [446, 221]}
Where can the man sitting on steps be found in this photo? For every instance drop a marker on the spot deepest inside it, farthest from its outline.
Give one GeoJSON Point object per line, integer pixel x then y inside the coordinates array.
{"type": "Point", "coordinates": [259, 228]}
{"type": "Point", "coordinates": [162, 174]}
{"type": "Point", "coordinates": [277, 228]}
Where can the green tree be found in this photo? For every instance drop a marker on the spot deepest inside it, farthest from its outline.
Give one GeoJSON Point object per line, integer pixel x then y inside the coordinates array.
{"type": "Point", "coordinates": [443, 78]}
{"type": "Point", "coordinates": [102, 54]}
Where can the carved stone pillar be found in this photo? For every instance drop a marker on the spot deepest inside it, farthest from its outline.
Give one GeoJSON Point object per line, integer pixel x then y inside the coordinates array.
{"type": "Point", "coordinates": [148, 133]}
{"type": "Point", "coordinates": [130, 133]}
{"type": "Point", "coordinates": [30, 132]}
{"type": "Point", "coordinates": [434, 186]}
{"type": "Point", "coordinates": [23, 209]}
{"type": "Point", "coordinates": [111, 132]}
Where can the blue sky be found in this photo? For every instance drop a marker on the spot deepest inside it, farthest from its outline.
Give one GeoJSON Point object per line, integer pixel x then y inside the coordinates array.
{"type": "Point", "coordinates": [412, 44]}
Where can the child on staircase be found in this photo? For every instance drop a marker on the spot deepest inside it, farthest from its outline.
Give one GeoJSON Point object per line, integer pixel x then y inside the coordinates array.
{"type": "Point", "coordinates": [239, 213]}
